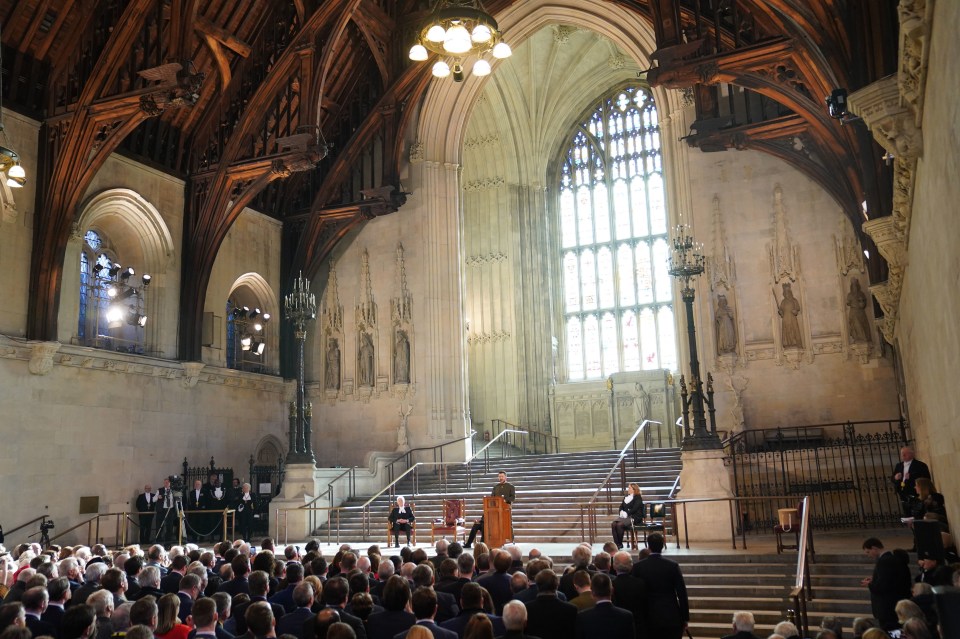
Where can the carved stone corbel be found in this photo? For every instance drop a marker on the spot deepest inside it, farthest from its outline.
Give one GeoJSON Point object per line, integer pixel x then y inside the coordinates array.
{"type": "Point", "coordinates": [890, 120]}
{"type": "Point", "coordinates": [41, 357]}
{"type": "Point", "coordinates": [191, 373]}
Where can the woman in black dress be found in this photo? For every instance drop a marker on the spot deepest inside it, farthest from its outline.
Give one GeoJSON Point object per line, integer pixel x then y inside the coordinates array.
{"type": "Point", "coordinates": [631, 514]}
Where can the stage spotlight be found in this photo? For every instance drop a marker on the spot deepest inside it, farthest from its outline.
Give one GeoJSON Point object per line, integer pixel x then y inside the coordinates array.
{"type": "Point", "coordinates": [146, 279]}
{"type": "Point", "coordinates": [258, 327]}
{"type": "Point", "coordinates": [114, 269]}
{"type": "Point", "coordinates": [266, 317]}
{"type": "Point", "coordinates": [254, 313]}
{"type": "Point", "coordinates": [115, 316]}
{"type": "Point", "coordinates": [245, 342]}
{"type": "Point", "coordinates": [258, 347]}
{"type": "Point", "coordinates": [127, 273]}
{"type": "Point", "coordinates": [136, 319]}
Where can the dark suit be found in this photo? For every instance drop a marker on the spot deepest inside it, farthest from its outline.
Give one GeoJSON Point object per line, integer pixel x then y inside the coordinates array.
{"type": "Point", "coordinates": [890, 583]}
{"type": "Point", "coordinates": [906, 486]}
{"type": "Point", "coordinates": [741, 634]}
{"type": "Point", "coordinates": [396, 528]}
{"type": "Point", "coordinates": [498, 584]}
{"type": "Point", "coordinates": [459, 623]}
{"type": "Point", "coordinates": [220, 634]}
{"type": "Point", "coordinates": [83, 592]}
{"type": "Point", "coordinates": [454, 587]}
{"type": "Point", "coordinates": [435, 630]}
{"type": "Point", "coordinates": [145, 591]}
{"type": "Point", "coordinates": [199, 523]}
{"type": "Point", "coordinates": [604, 620]}
{"type": "Point", "coordinates": [146, 502]}
{"type": "Point", "coordinates": [292, 623]}
{"type": "Point", "coordinates": [53, 615]}
{"type": "Point", "coordinates": [354, 622]}
{"type": "Point", "coordinates": [447, 607]}
{"type": "Point", "coordinates": [171, 583]}
{"type": "Point", "coordinates": [516, 634]}
{"type": "Point", "coordinates": [668, 610]}
{"type": "Point", "coordinates": [39, 627]}
{"type": "Point", "coordinates": [186, 606]}
{"type": "Point", "coordinates": [630, 593]}
{"type": "Point", "coordinates": [235, 586]}
{"type": "Point", "coordinates": [240, 612]}
{"type": "Point", "coordinates": [384, 625]}
{"type": "Point", "coordinates": [547, 616]}
{"type": "Point", "coordinates": [285, 598]}
{"type": "Point", "coordinates": [246, 509]}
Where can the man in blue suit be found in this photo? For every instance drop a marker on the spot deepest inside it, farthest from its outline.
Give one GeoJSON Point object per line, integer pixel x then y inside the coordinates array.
{"type": "Point", "coordinates": [604, 619]}
{"type": "Point", "coordinates": [394, 618]}
{"type": "Point", "coordinates": [471, 603]}
{"type": "Point", "coordinates": [292, 622]}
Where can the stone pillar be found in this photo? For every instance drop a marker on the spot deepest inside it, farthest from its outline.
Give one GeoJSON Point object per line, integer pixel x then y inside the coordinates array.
{"type": "Point", "coordinates": [448, 415]}
{"type": "Point", "coordinates": [705, 476]}
{"type": "Point", "coordinates": [301, 484]}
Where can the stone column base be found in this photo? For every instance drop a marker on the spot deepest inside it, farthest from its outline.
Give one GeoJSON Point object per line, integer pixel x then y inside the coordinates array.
{"type": "Point", "coordinates": [704, 476]}
{"type": "Point", "coordinates": [300, 486]}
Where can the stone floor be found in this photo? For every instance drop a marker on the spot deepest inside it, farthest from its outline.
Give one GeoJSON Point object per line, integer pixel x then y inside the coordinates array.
{"type": "Point", "coordinates": [832, 543]}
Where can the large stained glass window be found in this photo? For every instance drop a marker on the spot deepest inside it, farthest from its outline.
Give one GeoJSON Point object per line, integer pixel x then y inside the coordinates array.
{"type": "Point", "coordinates": [617, 294]}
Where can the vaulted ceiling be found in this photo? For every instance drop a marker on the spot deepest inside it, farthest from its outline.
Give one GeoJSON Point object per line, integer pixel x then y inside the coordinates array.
{"type": "Point", "coordinates": [298, 108]}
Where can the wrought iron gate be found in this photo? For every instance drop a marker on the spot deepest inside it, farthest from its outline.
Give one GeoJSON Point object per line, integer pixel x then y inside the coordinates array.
{"type": "Point", "coordinates": [845, 468]}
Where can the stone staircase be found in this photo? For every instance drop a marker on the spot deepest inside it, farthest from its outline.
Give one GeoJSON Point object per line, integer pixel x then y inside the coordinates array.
{"type": "Point", "coordinates": [550, 489]}
{"type": "Point", "coordinates": [720, 584]}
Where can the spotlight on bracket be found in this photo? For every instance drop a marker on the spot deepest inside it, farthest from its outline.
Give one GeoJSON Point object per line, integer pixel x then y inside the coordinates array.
{"type": "Point", "coordinates": [837, 107]}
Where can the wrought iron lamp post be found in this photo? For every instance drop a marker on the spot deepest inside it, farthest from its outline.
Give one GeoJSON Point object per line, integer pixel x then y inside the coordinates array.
{"type": "Point", "coordinates": [300, 307]}
{"type": "Point", "coordinates": [687, 262]}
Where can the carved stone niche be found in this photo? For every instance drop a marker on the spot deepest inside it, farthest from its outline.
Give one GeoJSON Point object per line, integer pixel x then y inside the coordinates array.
{"type": "Point", "coordinates": [891, 122]}
{"type": "Point", "coordinates": [889, 240]}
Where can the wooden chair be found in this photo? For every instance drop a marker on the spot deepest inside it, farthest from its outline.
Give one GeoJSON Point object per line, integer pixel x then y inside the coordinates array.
{"type": "Point", "coordinates": [413, 525]}
{"type": "Point", "coordinates": [454, 511]}
{"type": "Point", "coordinates": [789, 522]}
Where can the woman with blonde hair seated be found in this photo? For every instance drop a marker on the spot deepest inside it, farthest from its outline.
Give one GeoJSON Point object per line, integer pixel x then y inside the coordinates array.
{"type": "Point", "coordinates": [168, 625]}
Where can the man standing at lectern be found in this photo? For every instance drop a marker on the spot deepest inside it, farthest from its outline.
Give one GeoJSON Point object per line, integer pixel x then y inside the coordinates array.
{"type": "Point", "coordinates": [502, 489]}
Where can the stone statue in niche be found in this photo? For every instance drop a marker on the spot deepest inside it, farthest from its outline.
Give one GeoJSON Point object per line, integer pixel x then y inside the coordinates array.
{"type": "Point", "coordinates": [642, 403]}
{"type": "Point", "coordinates": [402, 442]}
{"type": "Point", "coordinates": [789, 310]}
{"type": "Point", "coordinates": [331, 373]}
{"type": "Point", "coordinates": [726, 327]}
{"type": "Point", "coordinates": [401, 358]}
{"type": "Point", "coordinates": [366, 367]}
{"type": "Point", "coordinates": [857, 322]}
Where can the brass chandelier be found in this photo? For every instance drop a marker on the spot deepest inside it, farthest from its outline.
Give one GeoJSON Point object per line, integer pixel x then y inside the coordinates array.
{"type": "Point", "coordinates": [460, 29]}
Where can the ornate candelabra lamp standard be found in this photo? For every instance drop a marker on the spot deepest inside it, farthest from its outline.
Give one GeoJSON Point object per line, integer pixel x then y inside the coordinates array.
{"type": "Point", "coordinates": [300, 307]}
{"type": "Point", "coordinates": [687, 262]}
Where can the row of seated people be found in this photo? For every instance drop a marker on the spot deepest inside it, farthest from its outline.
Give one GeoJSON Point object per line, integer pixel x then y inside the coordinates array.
{"type": "Point", "coordinates": [479, 594]}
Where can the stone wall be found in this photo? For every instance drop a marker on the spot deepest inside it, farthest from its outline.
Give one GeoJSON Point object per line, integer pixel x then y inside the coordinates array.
{"type": "Point", "coordinates": [929, 308]}
{"type": "Point", "coordinates": [95, 423]}
{"type": "Point", "coordinates": [762, 221]}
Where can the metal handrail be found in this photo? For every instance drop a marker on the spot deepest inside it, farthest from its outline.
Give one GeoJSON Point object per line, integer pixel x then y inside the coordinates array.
{"type": "Point", "coordinates": [623, 453]}
{"type": "Point", "coordinates": [533, 434]}
{"type": "Point", "coordinates": [732, 439]}
{"type": "Point", "coordinates": [414, 469]}
{"type": "Point", "coordinates": [802, 589]}
{"type": "Point", "coordinates": [41, 518]}
{"type": "Point", "coordinates": [93, 524]}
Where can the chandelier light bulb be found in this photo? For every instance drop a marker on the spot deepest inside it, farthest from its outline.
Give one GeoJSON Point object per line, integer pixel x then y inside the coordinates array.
{"type": "Point", "coordinates": [436, 33]}
{"type": "Point", "coordinates": [481, 68]}
{"type": "Point", "coordinates": [457, 40]}
{"type": "Point", "coordinates": [481, 33]}
{"type": "Point", "coordinates": [418, 53]}
{"type": "Point", "coordinates": [441, 69]}
{"type": "Point", "coordinates": [16, 177]}
{"type": "Point", "coordinates": [502, 50]}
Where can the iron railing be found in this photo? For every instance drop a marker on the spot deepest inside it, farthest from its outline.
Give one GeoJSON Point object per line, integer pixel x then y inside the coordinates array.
{"type": "Point", "coordinates": [439, 468]}
{"type": "Point", "coordinates": [844, 468]}
{"type": "Point", "coordinates": [535, 443]}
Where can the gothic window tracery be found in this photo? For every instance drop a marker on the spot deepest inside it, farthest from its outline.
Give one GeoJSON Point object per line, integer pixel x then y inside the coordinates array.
{"type": "Point", "coordinates": [617, 294]}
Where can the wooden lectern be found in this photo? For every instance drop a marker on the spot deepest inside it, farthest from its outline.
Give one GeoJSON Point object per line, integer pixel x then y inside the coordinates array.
{"type": "Point", "coordinates": [497, 522]}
